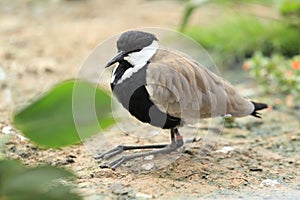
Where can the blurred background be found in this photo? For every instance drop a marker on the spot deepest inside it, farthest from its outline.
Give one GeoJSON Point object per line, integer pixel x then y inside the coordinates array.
{"type": "Point", "coordinates": [255, 44]}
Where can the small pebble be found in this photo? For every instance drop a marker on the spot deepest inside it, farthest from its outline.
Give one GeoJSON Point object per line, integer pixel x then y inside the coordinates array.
{"type": "Point", "coordinates": [7, 130]}
{"type": "Point", "coordinates": [225, 149]}
{"type": "Point", "coordinates": [67, 161]}
{"type": "Point", "coordinates": [22, 138]}
{"type": "Point", "coordinates": [148, 166]}
{"type": "Point", "coordinates": [119, 189]}
{"type": "Point", "coordinates": [143, 196]}
{"type": "Point", "coordinates": [269, 183]}
{"type": "Point", "coordinates": [150, 157]}
{"type": "Point", "coordinates": [2, 74]}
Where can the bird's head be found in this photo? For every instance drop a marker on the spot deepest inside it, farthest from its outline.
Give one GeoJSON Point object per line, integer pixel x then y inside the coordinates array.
{"type": "Point", "coordinates": [136, 47]}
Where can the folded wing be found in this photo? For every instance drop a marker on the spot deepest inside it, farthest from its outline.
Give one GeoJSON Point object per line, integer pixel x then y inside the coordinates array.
{"type": "Point", "coordinates": [181, 87]}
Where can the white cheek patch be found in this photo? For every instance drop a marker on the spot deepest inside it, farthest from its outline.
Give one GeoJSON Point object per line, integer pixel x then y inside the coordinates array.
{"type": "Point", "coordinates": [141, 57]}
{"type": "Point", "coordinates": [139, 60]}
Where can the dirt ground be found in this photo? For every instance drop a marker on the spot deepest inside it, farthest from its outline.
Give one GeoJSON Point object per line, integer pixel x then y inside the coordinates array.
{"type": "Point", "coordinates": [44, 42]}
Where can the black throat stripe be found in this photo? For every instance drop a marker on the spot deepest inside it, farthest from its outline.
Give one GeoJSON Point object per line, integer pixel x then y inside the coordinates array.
{"type": "Point", "coordinates": [133, 95]}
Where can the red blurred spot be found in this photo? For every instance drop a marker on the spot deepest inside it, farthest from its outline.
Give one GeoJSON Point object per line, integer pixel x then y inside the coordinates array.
{"type": "Point", "coordinates": [296, 65]}
{"type": "Point", "coordinates": [270, 108]}
{"type": "Point", "coordinates": [277, 101]}
{"type": "Point", "coordinates": [246, 66]}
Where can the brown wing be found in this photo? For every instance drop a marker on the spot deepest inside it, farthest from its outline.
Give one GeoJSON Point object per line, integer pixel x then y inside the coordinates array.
{"type": "Point", "coordinates": [181, 87]}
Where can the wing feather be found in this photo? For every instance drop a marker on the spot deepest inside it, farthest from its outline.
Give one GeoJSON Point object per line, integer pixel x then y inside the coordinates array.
{"type": "Point", "coordinates": [183, 88]}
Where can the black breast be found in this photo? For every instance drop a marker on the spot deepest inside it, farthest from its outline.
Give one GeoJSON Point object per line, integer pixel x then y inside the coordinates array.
{"type": "Point", "coordinates": [134, 97]}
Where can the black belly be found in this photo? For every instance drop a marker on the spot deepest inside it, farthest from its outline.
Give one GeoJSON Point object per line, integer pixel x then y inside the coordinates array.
{"type": "Point", "coordinates": [134, 97]}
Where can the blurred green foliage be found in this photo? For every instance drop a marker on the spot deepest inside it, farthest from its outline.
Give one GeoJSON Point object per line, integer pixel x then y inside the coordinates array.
{"type": "Point", "coordinates": [54, 120]}
{"type": "Point", "coordinates": [18, 182]}
{"type": "Point", "coordinates": [277, 75]}
{"type": "Point", "coordinates": [235, 39]}
{"type": "Point", "coordinates": [290, 9]}
{"type": "Point", "coordinates": [239, 35]}
{"type": "Point", "coordinates": [69, 112]}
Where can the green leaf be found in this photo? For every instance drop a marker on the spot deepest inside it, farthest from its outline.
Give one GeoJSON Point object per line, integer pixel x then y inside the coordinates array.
{"type": "Point", "coordinates": [7, 169]}
{"type": "Point", "coordinates": [33, 179]}
{"type": "Point", "coordinates": [70, 111]}
{"type": "Point", "coordinates": [44, 182]}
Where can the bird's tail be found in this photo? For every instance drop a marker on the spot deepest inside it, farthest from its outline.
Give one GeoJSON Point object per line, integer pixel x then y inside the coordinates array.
{"type": "Point", "coordinates": [258, 106]}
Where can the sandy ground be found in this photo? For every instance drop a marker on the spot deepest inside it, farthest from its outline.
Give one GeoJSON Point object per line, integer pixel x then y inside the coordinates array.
{"type": "Point", "coordinates": [43, 43]}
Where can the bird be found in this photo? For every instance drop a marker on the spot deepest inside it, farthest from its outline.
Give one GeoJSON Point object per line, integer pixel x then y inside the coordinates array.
{"type": "Point", "coordinates": [168, 89]}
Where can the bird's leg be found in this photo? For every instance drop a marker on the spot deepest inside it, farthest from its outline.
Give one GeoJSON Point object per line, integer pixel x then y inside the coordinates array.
{"type": "Point", "coordinates": [176, 142]}
{"type": "Point", "coordinates": [120, 148]}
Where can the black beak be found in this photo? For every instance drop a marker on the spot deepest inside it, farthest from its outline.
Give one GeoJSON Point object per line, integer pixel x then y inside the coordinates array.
{"type": "Point", "coordinates": [115, 59]}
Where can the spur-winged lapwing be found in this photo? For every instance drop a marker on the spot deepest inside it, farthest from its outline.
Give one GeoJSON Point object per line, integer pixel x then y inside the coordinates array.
{"type": "Point", "coordinates": [167, 89]}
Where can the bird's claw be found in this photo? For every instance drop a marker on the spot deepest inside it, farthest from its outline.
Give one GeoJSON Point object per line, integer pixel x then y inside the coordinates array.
{"type": "Point", "coordinates": [114, 164]}
{"type": "Point", "coordinates": [111, 153]}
